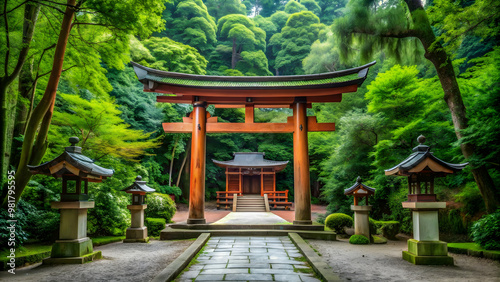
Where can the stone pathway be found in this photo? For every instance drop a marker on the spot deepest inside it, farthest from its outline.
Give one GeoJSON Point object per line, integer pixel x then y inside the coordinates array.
{"type": "Point", "coordinates": [243, 218]}
{"type": "Point", "coordinates": [249, 259]}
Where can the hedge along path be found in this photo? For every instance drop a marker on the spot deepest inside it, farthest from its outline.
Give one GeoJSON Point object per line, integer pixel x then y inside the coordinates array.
{"type": "Point", "coordinates": [248, 258]}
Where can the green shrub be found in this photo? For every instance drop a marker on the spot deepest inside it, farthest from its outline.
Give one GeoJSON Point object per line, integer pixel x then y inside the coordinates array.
{"type": "Point", "coordinates": [372, 224]}
{"type": "Point", "coordinates": [155, 226]}
{"type": "Point", "coordinates": [44, 226]}
{"type": "Point", "coordinates": [388, 229]}
{"type": "Point", "coordinates": [338, 221]}
{"type": "Point", "coordinates": [160, 206]}
{"type": "Point", "coordinates": [359, 240]}
{"type": "Point", "coordinates": [485, 231]}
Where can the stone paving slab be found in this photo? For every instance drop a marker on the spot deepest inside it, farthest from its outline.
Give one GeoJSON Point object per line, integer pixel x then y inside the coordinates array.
{"type": "Point", "coordinates": [249, 259]}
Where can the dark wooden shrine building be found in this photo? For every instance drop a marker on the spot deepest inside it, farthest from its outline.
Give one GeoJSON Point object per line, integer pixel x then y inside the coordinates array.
{"type": "Point", "coordinates": [250, 173]}
{"type": "Point", "coordinates": [296, 91]}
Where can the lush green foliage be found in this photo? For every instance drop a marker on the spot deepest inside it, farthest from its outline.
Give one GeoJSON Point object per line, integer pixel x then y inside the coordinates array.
{"type": "Point", "coordinates": [388, 229]}
{"type": "Point", "coordinates": [154, 225]}
{"type": "Point", "coordinates": [189, 23]}
{"type": "Point", "coordinates": [359, 240]}
{"type": "Point", "coordinates": [160, 206]}
{"type": "Point", "coordinates": [485, 231]}
{"type": "Point", "coordinates": [338, 221]}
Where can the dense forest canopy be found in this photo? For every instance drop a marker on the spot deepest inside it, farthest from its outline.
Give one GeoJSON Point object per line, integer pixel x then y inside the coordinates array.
{"type": "Point", "coordinates": [65, 72]}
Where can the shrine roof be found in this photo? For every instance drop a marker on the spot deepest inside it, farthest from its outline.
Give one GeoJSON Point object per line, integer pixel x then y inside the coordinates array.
{"type": "Point", "coordinates": [353, 76]}
{"type": "Point", "coordinates": [251, 160]}
{"type": "Point", "coordinates": [423, 160]}
{"type": "Point", "coordinates": [72, 161]}
{"type": "Point", "coordinates": [139, 186]}
{"type": "Point", "coordinates": [358, 185]}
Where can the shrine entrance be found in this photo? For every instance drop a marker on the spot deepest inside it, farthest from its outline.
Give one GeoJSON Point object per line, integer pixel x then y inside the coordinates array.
{"type": "Point", "coordinates": [297, 92]}
{"type": "Point", "coordinates": [251, 184]}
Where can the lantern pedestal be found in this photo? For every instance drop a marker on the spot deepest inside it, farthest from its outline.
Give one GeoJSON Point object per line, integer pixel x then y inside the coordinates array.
{"type": "Point", "coordinates": [361, 220]}
{"type": "Point", "coordinates": [426, 248]}
{"type": "Point", "coordinates": [137, 231]}
{"type": "Point", "coordinates": [73, 246]}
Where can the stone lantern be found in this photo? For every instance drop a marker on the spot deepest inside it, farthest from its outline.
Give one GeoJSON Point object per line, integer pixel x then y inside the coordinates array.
{"type": "Point", "coordinates": [137, 231]}
{"type": "Point", "coordinates": [361, 213]}
{"type": "Point", "coordinates": [76, 171]}
{"type": "Point", "coordinates": [421, 168]}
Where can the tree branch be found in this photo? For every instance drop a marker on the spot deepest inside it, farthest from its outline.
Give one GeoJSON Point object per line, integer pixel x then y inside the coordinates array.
{"type": "Point", "coordinates": [7, 40]}
{"type": "Point", "coordinates": [11, 10]}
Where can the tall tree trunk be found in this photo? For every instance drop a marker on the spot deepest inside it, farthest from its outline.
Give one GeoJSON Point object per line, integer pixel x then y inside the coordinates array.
{"type": "Point", "coordinates": [34, 146]}
{"type": "Point", "coordinates": [188, 149]}
{"type": "Point", "coordinates": [9, 103]}
{"type": "Point", "coordinates": [172, 162]}
{"type": "Point", "coordinates": [441, 61]}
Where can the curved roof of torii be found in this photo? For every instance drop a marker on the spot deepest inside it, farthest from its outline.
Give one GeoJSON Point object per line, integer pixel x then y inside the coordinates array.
{"type": "Point", "coordinates": [259, 90]}
{"type": "Point", "coordinates": [251, 160]}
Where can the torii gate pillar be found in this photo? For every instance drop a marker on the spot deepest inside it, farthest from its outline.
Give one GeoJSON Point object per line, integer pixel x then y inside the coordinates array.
{"type": "Point", "coordinates": [301, 183]}
{"type": "Point", "coordinates": [198, 158]}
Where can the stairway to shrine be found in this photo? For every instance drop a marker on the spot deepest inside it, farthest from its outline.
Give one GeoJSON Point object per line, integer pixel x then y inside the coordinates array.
{"type": "Point", "coordinates": [250, 203]}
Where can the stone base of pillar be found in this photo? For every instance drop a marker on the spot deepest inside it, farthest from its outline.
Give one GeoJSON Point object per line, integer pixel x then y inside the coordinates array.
{"type": "Point", "coordinates": [362, 221]}
{"type": "Point", "coordinates": [196, 221]}
{"type": "Point", "coordinates": [427, 253]}
{"type": "Point", "coordinates": [75, 251]}
{"type": "Point", "coordinates": [302, 222]}
{"type": "Point", "coordinates": [136, 235]}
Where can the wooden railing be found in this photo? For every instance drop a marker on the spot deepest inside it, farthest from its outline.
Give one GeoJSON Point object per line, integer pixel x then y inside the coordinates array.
{"type": "Point", "coordinates": [225, 198]}
{"type": "Point", "coordinates": [278, 199]}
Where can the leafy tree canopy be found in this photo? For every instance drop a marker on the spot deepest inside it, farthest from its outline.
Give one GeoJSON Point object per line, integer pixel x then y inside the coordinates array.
{"type": "Point", "coordinates": [188, 22]}
{"type": "Point", "coordinates": [168, 55]}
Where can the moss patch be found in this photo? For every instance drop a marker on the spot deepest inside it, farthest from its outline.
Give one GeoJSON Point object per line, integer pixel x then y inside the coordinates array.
{"type": "Point", "coordinates": [473, 249]}
{"type": "Point", "coordinates": [379, 240]}
{"type": "Point", "coordinates": [26, 255]}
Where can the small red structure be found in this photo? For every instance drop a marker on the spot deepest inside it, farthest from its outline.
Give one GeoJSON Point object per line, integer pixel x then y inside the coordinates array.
{"type": "Point", "coordinates": [250, 174]}
{"type": "Point", "coordinates": [359, 191]}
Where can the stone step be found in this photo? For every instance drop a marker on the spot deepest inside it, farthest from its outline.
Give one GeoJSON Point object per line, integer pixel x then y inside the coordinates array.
{"type": "Point", "coordinates": [177, 234]}
{"type": "Point", "coordinates": [250, 210]}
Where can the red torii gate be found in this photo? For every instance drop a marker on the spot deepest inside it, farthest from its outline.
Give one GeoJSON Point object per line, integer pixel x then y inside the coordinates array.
{"type": "Point", "coordinates": [249, 92]}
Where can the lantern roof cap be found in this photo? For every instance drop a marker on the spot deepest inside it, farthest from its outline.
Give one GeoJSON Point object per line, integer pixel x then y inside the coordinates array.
{"type": "Point", "coordinates": [73, 162]}
{"type": "Point", "coordinates": [422, 160]}
{"type": "Point", "coordinates": [139, 186]}
{"type": "Point", "coordinates": [358, 185]}
{"type": "Point", "coordinates": [251, 160]}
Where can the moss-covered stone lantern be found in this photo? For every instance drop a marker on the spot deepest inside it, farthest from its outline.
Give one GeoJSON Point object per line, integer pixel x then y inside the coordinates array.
{"type": "Point", "coordinates": [137, 231]}
{"type": "Point", "coordinates": [76, 171]}
{"type": "Point", "coordinates": [361, 212]}
{"type": "Point", "coordinates": [421, 168]}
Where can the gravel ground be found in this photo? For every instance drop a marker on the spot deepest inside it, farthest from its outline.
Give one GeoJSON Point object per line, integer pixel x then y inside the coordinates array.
{"type": "Point", "coordinates": [384, 263]}
{"type": "Point", "coordinates": [121, 262]}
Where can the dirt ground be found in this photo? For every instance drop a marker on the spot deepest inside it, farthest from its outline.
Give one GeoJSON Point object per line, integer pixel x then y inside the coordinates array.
{"type": "Point", "coordinates": [121, 262]}
{"type": "Point", "coordinates": [384, 263]}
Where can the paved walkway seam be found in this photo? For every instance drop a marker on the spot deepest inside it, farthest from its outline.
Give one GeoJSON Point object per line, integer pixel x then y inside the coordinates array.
{"type": "Point", "coordinates": [182, 261]}
{"type": "Point", "coordinates": [322, 269]}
